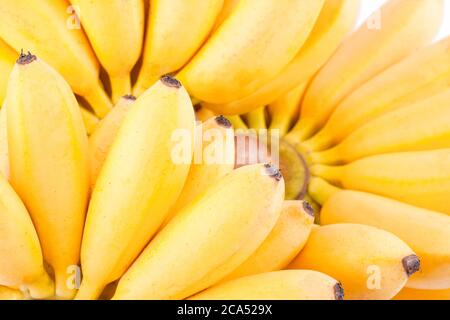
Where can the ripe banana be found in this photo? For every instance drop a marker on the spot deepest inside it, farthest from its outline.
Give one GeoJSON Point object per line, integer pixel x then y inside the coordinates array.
{"type": "Point", "coordinates": [104, 134]}
{"type": "Point", "coordinates": [238, 123]}
{"type": "Point", "coordinates": [335, 21]}
{"type": "Point", "coordinates": [278, 285]}
{"type": "Point", "coordinates": [140, 180]}
{"type": "Point", "coordinates": [282, 244]}
{"type": "Point", "coordinates": [227, 68]}
{"type": "Point", "coordinates": [214, 156]}
{"type": "Point", "coordinates": [48, 152]}
{"type": "Point", "coordinates": [22, 263]}
{"type": "Point", "coordinates": [420, 126]}
{"type": "Point", "coordinates": [415, 294]}
{"type": "Point", "coordinates": [89, 119]}
{"type": "Point", "coordinates": [320, 190]}
{"type": "Point", "coordinates": [115, 29]}
{"type": "Point", "coordinates": [425, 231]}
{"type": "Point", "coordinates": [418, 178]}
{"type": "Point", "coordinates": [4, 153]}
{"type": "Point", "coordinates": [227, 8]}
{"type": "Point", "coordinates": [7, 59]}
{"type": "Point", "coordinates": [203, 114]}
{"type": "Point", "coordinates": [176, 30]}
{"type": "Point", "coordinates": [210, 238]}
{"type": "Point", "coordinates": [10, 294]}
{"type": "Point", "coordinates": [32, 25]}
{"type": "Point", "coordinates": [256, 119]}
{"type": "Point", "coordinates": [405, 25]}
{"type": "Point", "coordinates": [422, 74]}
{"type": "Point", "coordinates": [371, 263]}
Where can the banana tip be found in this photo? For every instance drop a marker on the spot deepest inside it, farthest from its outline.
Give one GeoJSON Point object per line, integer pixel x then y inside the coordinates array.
{"type": "Point", "coordinates": [129, 97]}
{"type": "Point", "coordinates": [273, 171]}
{"type": "Point", "coordinates": [25, 59]}
{"type": "Point", "coordinates": [411, 264]}
{"type": "Point", "coordinates": [170, 81]}
{"type": "Point", "coordinates": [308, 208]}
{"type": "Point", "coordinates": [222, 121]}
{"type": "Point", "coordinates": [338, 291]}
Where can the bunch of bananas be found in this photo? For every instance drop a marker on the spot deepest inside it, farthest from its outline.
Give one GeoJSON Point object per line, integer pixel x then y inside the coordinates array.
{"type": "Point", "coordinates": [102, 163]}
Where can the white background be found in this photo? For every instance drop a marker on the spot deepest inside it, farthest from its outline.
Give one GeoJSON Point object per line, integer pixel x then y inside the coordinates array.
{"type": "Point", "coordinates": [369, 6]}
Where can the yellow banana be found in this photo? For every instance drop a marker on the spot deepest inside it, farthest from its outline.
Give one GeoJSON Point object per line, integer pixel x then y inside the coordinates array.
{"type": "Point", "coordinates": [22, 265]}
{"type": "Point", "coordinates": [115, 29]}
{"type": "Point", "coordinates": [237, 122]}
{"type": "Point", "coordinates": [8, 57]}
{"type": "Point", "coordinates": [278, 285]}
{"type": "Point", "coordinates": [210, 238]}
{"type": "Point", "coordinates": [256, 119]}
{"type": "Point", "coordinates": [203, 114]}
{"type": "Point", "coordinates": [4, 153]}
{"type": "Point", "coordinates": [104, 134]}
{"type": "Point", "coordinates": [140, 180]}
{"type": "Point", "coordinates": [404, 26]}
{"type": "Point", "coordinates": [227, 68]}
{"type": "Point", "coordinates": [10, 294]}
{"type": "Point", "coordinates": [371, 263]}
{"type": "Point", "coordinates": [425, 231]}
{"type": "Point", "coordinates": [48, 151]}
{"type": "Point", "coordinates": [335, 21]}
{"type": "Point", "coordinates": [415, 294]}
{"type": "Point", "coordinates": [285, 110]}
{"type": "Point", "coordinates": [176, 30]}
{"type": "Point", "coordinates": [214, 156]}
{"type": "Point", "coordinates": [423, 125]}
{"type": "Point", "coordinates": [422, 74]}
{"type": "Point", "coordinates": [320, 190]}
{"type": "Point", "coordinates": [59, 41]}
{"type": "Point", "coordinates": [418, 178]}
{"type": "Point", "coordinates": [282, 244]}
{"type": "Point", "coordinates": [227, 8]}
{"type": "Point", "coordinates": [89, 119]}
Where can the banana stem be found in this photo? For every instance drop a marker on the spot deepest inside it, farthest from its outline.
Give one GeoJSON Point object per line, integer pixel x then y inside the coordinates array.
{"type": "Point", "coordinates": [256, 119]}
{"type": "Point", "coordinates": [120, 86]}
{"type": "Point", "coordinates": [320, 190]}
{"type": "Point", "coordinates": [99, 101]}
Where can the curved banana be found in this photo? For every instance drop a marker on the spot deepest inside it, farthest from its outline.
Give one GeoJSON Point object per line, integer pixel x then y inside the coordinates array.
{"type": "Point", "coordinates": [420, 126]}
{"type": "Point", "coordinates": [104, 134]}
{"type": "Point", "coordinates": [418, 178]}
{"type": "Point", "coordinates": [335, 21]}
{"type": "Point", "coordinates": [425, 231]}
{"type": "Point", "coordinates": [283, 243]}
{"type": "Point", "coordinates": [285, 110]}
{"type": "Point", "coordinates": [8, 57]}
{"type": "Point", "coordinates": [371, 263]}
{"type": "Point", "coordinates": [176, 30]}
{"type": "Point", "coordinates": [227, 68]}
{"type": "Point", "coordinates": [59, 41]}
{"type": "Point", "coordinates": [209, 238]}
{"type": "Point", "coordinates": [278, 285]}
{"type": "Point", "coordinates": [10, 294]}
{"type": "Point", "coordinates": [421, 75]}
{"type": "Point", "coordinates": [416, 294]}
{"type": "Point", "coordinates": [115, 29]}
{"type": "Point", "coordinates": [22, 265]}
{"type": "Point", "coordinates": [140, 180]}
{"type": "Point", "coordinates": [48, 151]}
{"type": "Point", "coordinates": [214, 157]}
{"type": "Point", "coordinates": [256, 119]}
{"type": "Point", "coordinates": [405, 25]}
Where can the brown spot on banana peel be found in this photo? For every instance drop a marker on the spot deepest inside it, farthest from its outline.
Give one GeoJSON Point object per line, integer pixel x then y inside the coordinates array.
{"type": "Point", "coordinates": [222, 121]}
{"type": "Point", "coordinates": [308, 209]}
{"type": "Point", "coordinates": [273, 171]}
{"type": "Point", "coordinates": [171, 82]}
{"type": "Point", "coordinates": [338, 291]}
{"type": "Point", "coordinates": [25, 59]}
{"type": "Point", "coordinates": [411, 264]}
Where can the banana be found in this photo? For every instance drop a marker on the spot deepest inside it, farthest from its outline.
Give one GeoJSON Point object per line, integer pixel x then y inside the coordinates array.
{"type": "Point", "coordinates": [320, 190]}
{"type": "Point", "coordinates": [140, 180]}
{"type": "Point", "coordinates": [22, 263]}
{"type": "Point", "coordinates": [405, 26]}
{"type": "Point", "coordinates": [176, 30]}
{"type": "Point", "coordinates": [7, 59]}
{"type": "Point", "coordinates": [238, 123]}
{"type": "Point", "coordinates": [227, 8]}
{"type": "Point", "coordinates": [115, 29]}
{"type": "Point", "coordinates": [227, 68]}
{"type": "Point", "coordinates": [104, 134]}
{"type": "Point", "coordinates": [283, 243]}
{"type": "Point", "coordinates": [67, 50]}
{"type": "Point", "coordinates": [256, 119]}
{"type": "Point", "coordinates": [210, 238]}
{"type": "Point", "coordinates": [335, 21]}
{"type": "Point", "coordinates": [415, 294]}
{"type": "Point", "coordinates": [278, 285]}
{"type": "Point", "coordinates": [421, 126]}
{"type": "Point", "coordinates": [4, 153]}
{"type": "Point", "coordinates": [10, 294]}
{"type": "Point", "coordinates": [371, 263]}
{"type": "Point", "coordinates": [214, 156]}
{"type": "Point", "coordinates": [48, 152]}
{"type": "Point", "coordinates": [89, 119]}
{"type": "Point", "coordinates": [285, 110]}
{"type": "Point", "coordinates": [418, 178]}
{"type": "Point", "coordinates": [421, 75]}
{"type": "Point", "coordinates": [425, 231]}
{"type": "Point", "coordinates": [203, 114]}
